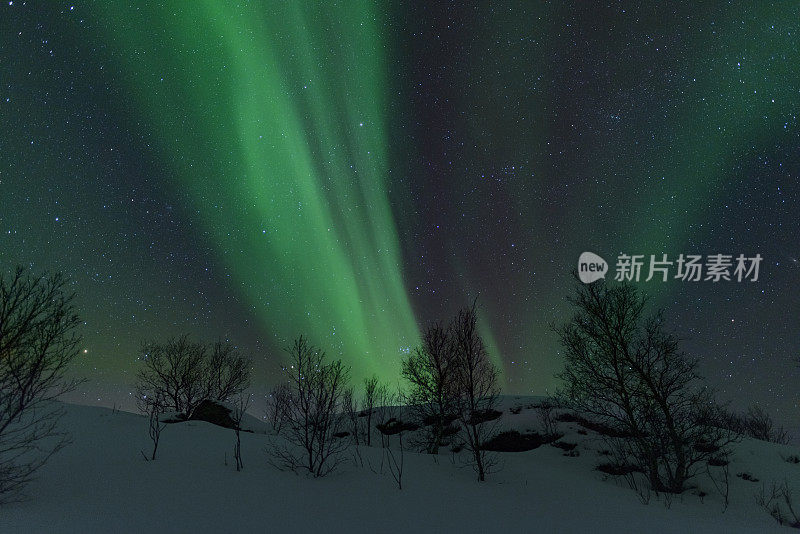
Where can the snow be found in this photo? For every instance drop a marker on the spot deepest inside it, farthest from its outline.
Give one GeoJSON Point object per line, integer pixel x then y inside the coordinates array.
{"type": "Point", "coordinates": [101, 483]}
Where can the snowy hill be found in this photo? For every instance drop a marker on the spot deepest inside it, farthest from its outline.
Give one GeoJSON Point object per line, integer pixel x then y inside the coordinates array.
{"type": "Point", "coordinates": [101, 483]}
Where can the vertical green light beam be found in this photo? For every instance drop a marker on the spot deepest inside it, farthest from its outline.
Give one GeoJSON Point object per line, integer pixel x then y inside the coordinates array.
{"type": "Point", "coordinates": [271, 117]}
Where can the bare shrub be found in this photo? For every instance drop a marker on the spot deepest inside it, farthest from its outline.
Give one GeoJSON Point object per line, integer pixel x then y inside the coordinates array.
{"type": "Point", "coordinates": [371, 393]}
{"type": "Point", "coordinates": [545, 409]}
{"type": "Point", "coordinates": [354, 423]}
{"type": "Point", "coordinates": [389, 416]}
{"type": "Point", "coordinates": [779, 503]}
{"type": "Point", "coordinates": [227, 373]}
{"type": "Point", "coordinates": [172, 371]}
{"type": "Point", "coordinates": [626, 372]}
{"type": "Point", "coordinates": [314, 412]}
{"type": "Point", "coordinates": [758, 424]}
{"type": "Point", "coordinates": [185, 373]}
{"type": "Point", "coordinates": [38, 341]}
{"type": "Point", "coordinates": [755, 423]}
{"type": "Point", "coordinates": [278, 406]}
{"type": "Point", "coordinates": [380, 411]}
{"type": "Point", "coordinates": [475, 379]}
{"type": "Point", "coordinates": [237, 414]}
{"type": "Point", "coordinates": [721, 481]}
{"type": "Point", "coordinates": [430, 371]}
{"type": "Point", "coordinates": [155, 408]}
{"type": "Point", "coordinates": [395, 459]}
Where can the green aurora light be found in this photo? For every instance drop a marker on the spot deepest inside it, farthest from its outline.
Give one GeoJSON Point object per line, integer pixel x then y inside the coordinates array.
{"type": "Point", "coordinates": [291, 191]}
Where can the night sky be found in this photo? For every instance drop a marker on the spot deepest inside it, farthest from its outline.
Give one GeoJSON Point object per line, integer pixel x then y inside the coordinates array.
{"type": "Point", "coordinates": [353, 171]}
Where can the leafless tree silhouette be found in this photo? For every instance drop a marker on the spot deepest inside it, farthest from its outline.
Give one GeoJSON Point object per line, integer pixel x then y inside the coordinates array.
{"type": "Point", "coordinates": [314, 414]}
{"type": "Point", "coordinates": [758, 424]}
{"type": "Point", "coordinates": [780, 504]}
{"type": "Point", "coordinates": [351, 411]}
{"type": "Point", "coordinates": [371, 388]}
{"type": "Point", "coordinates": [545, 410]}
{"type": "Point", "coordinates": [184, 373]}
{"type": "Point", "coordinates": [384, 411]}
{"type": "Point", "coordinates": [476, 384]}
{"type": "Point", "coordinates": [430, 370]}
{"type": "Point", "coordinates": [227, 373]}
{"type": "Point", "coordinates": [240, 407]}
{"type": "Point", "coordinates": [38, 340]}
{"type": "Point", "coordinates": [395, 459]}
{"type": "Point", "coordinates": [172, 371]}
{"type": "Point", "coordinates": [624, 370]}
{"type": "Point", "coordinates": [155, 408]}
{"type": "Point", "coordinates": [278, 406]}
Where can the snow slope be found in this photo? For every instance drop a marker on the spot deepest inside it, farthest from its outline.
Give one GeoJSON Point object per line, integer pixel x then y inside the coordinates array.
{"type": "Point", "coordinates": [101, 483]}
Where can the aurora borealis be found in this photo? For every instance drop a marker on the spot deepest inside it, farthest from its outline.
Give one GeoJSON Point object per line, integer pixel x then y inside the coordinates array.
{"type": "Point", "coordinates": [289, 190]}
{"type": "Point", "coordinates": [354, 170]}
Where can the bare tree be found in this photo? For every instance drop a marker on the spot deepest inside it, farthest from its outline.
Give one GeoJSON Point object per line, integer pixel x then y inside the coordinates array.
{"type": "Point", "coordinates": [779, 503]}
{"type": "Point", "coordinates": [758, 424]}
{"type": "Point", "coordinates": [624, 370]}
{"type": "Point", "coordinates": [237, 414]}
{"type": "Point", "coordinates": [185, 373]}
{"type": "Point", "coordinates": [396, 459]}
{"type": "Point", "coordinates": [351, 411]}
{"type": "Point", "coordinates": [278, 406]}
{"type": "Point", "coordinates": [477, 388]}
{"type": "Point", "coordinates": [390, 416]}
{"type": "Point", "coordinates": [430, 370]}
{"type": "Point", "coordinates": [227, 372]}
{"type": "Point", "coordinates": [722, 483]}
{"type": "Point", "coordinates": [385, 409]}
{"type": "Point", "coordinates": [155, 408]}
{"type": "Point", "coordinates": [755, 423]}
{"type": "Point", "coordinates": [172, 371]}
{"type": "Point", "coordinates": [370, 397]}
{"type": "Point", "coordinates": [314, 413]}
{"type": "Point", "coordinates": [545, 410]}
{"type": "Point", "coordinates": [38, 340]}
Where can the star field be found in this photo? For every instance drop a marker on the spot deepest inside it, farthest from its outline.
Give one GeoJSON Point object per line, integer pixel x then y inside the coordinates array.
{"type": "Point", "coordinates": [252, 172]}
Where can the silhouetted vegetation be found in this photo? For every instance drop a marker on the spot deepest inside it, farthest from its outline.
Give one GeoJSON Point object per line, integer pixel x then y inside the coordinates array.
{"type": "Point", "coordinates": [755, 423]}
{"type": "Point", "coordinates": [237, 416]}
{"type": "Point", "coordinates": [278, 406]}
{"type": "Point", "coordinates": [155, 409]}
{"type": "Point", "coordinates": [624, 371]}
{"type": "Point", "coordinates": [430, 370]}
{"type": "Point", "coordinates": [546, 411]}
{"type": "Point", "coordinates": [371, 394]}
{"type": "Point", "coordinates": [38, 341]}
{"type": "Point", "coordinates": [476, 387]}
{"type": "Point", "coordinates": [314, 412]}
{"type": "Point", "coordinates": [779, 502]}
{"type": "Point", "coordinates": [185, 373]}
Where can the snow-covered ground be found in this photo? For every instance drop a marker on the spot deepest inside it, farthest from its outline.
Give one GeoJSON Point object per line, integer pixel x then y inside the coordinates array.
{"type": "Point", "coordinates": [101, 483]}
